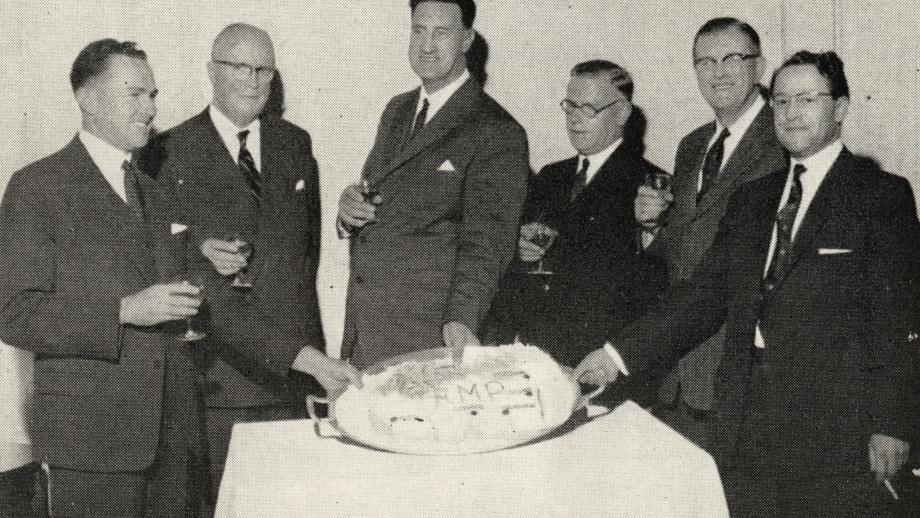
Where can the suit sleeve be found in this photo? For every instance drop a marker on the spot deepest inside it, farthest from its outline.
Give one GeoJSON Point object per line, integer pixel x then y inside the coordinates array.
{"type": "Point", "coordinates": [493, 196]}
{"type": "Point", "coordinates": [891, 278]}
{"type": "Point", "coordinates": [40, 313]}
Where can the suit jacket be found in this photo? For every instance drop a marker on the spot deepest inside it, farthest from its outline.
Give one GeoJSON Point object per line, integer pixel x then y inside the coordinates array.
{"type": "Point", "coordinates": [254, 335]}
{"type": "Point", "coordinates": [447, 227]}
{"type": "Point", "coordinates": [70, 249]}
{"type": "Point", "coordinates": [835, 369]}
{"type": "Point", "coordinates": [601, 279]}
{"type": "Point", "coordinates": [692, 227]}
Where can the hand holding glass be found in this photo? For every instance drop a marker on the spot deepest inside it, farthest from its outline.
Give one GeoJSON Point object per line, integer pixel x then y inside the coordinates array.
{"type": "Point", "coordinates": [543, 238]}
{"type": "Point", "coordinates": [243, 280]}
{"type": "Point", "coordinates": [191, 334]}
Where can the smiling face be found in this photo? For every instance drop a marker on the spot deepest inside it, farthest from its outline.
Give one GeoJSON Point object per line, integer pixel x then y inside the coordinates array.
{"type": "Point", "coordinates": [240, 96]}
{"type": "Point", "coordinates": [590, 135]}
{"type": "Point", "coordinates": [119, 105]}
{"type": "Point", "coordinates": [438, 44]}
{"type": "Point", "coordinates": [812, 121]}
{"type": "Point", "coordinates": [728, 89]}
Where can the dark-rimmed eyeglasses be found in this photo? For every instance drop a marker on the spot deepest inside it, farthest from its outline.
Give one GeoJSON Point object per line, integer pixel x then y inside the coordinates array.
{"type": "Point", "coordinates": [588, 110]}
{"type": "Point", "coordinates": [731, 62]}
{"type": "Point", "coordinates": [242, 71]}
{"type": "Point", "coordinates": [804, 99]}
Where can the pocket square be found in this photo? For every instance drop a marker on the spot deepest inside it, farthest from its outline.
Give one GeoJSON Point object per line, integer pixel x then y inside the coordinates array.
{"type": "Point", "coordinates": [300, 185]}
{"type": "Point", "coordinates": [175, 228]}
{"type": "Point", "coordinates": [834, 251]}
{"type": "Point", "coordinates": [446, 166]}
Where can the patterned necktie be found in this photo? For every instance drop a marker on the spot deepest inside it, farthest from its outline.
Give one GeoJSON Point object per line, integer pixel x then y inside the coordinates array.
{"type": "Point", "coordinates": [782, 255]}
{"type": "Point", "coordinates": [247, 166]}
{"type": "Point", "coordinates": [419, 121]}
{"type": "Point", "coordinates": [581, 179]}
{"type": "Point", "coordinates": [712, 163]}
{"type": "Point", "coordinates": [133, 197]}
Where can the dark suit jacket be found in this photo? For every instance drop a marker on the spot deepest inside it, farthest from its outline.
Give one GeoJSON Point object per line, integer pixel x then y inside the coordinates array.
{"type": "Point", "coordinates": [691, 229]}
{"type": "Point", "coordinates": [446, 229]}
{"type": "Point", "coordinates": [601, 280]}
{"type": "Point", "coordinates": [69, 251]}
{"type": "Point", "coordinates": [254, 335]}
{"type": "Point", "coordinates": [836, 366]}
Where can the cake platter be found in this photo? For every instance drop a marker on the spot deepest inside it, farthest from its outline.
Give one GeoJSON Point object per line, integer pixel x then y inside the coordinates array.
{"type": "Point", "coordinates": [423, 403]}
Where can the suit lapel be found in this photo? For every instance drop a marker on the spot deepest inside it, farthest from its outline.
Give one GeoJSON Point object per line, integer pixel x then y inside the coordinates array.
{"type": "Point", "coordinates": [687, 174]}
{"type": "Point", "coordinates": [166, 256]}
{"type": "Point", "coordinates": [448, 118]}
{"type": "Point", "coordinates": [751, 146]}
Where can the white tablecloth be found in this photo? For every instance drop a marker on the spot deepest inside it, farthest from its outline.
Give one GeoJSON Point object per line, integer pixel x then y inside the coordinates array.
{"type": "Point", "coordinates": [626, 463]}
{"type": "Point", "coordinates": [15, 402]}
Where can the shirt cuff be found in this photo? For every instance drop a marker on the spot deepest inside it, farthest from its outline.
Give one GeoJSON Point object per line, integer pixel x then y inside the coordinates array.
{"type": "Point", "coordinates": [617, 359]}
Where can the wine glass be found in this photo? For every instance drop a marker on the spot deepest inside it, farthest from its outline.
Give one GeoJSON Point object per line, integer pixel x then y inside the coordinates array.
{"type": "Point", "coordinates": [658, 180]}
{"type": "Point", "coordinates": [369, 193]}
{"type": "Point", "coordinates": [544, 238]}
{"type": "Point", "coordinates": [243, 278]}
{"type": "Point", "coordinates": [191, 334]}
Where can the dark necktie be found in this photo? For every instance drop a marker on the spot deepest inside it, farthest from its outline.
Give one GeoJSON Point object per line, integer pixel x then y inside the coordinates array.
{"type": "Point", "coordinates": [133, 197]}
{"type": "Point", "coordinates": [419, 121]}
{"type": "Point", "coordinates": [782, 254]}
{"type": "Point", "coordinates": [581, 179]}
{"type": "Point", "coordinates": [247, 166]}
{"type": "Point", "coordinates": [712, 163]}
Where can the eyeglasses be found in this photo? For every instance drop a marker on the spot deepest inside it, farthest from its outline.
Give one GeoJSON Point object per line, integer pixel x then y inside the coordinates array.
{"type": "Point", "coordinates": [731, 62]}
{"type": "Point", "coordinates": [588, 110]}
{"type": "Point", "coordinates": [804, 99]}
{"type": "Point", "coordinates": [242, 71]}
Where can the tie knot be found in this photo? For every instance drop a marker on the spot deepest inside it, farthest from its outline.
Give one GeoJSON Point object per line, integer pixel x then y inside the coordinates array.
{"type": "Point", "coordinates": [798, 170]}
{"type": "Point", "coordinates": [725, 134]}
{"type": "Point", "coordinates": [242, 136]}
{"type": "Point", "coordinates": [585, 164]}
{"type": "Point", "coordinates": [127, 166]}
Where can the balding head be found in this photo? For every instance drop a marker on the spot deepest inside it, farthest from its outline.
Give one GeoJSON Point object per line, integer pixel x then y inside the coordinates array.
{"type": "Point", "coordinates": [241, 70]}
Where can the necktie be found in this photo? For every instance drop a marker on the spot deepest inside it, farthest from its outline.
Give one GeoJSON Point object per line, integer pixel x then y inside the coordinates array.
{"type": "Point", "coordinates": [712, 163]}
{"type": "Point", "coordinates": [248, 166]}
{"type": "Point", "coordinates": [132, 190]}
{"type": "Point", "coordinates": [419, 121]}
{"type": "Point", "coordinates": [581, 179]}
{"type": "Point", "coordinates": [782, 255]}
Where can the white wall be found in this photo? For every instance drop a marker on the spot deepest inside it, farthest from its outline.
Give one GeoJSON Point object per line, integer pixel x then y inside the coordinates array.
{"type": "Point", "coordinates": [343, 60]}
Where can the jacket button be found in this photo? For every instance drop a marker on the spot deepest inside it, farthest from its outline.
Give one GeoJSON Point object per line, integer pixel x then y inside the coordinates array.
{"type": "Point", "coordinates": [359, 279]}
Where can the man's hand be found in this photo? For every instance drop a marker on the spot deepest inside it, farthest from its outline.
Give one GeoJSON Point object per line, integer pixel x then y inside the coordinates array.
{"type": "Point", "coordinates": [225, 255]}
{"type": "Point", "coordinates": [651, 205]}
{"type": "Point", "coordinates": [886, 455]}
{"type": "Point", "coordinates": [354, 210]}
{"type": "Point", "coordinates": [527, 249]}
{"type": "Point", "coordinates": [456, 337]}
{"type": "Point", "coordinates": [160, 303]}
{"type": "Point", "coordinates": [333, 374]}
{"type": "Point", "coordinates": [598, 368]}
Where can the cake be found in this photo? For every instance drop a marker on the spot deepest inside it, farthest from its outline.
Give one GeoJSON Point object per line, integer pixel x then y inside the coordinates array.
{"type": "Point", "coordinates": [495, 398]}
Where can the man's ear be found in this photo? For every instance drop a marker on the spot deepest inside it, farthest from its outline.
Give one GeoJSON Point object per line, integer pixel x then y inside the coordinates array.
{"type": "Point", "coordinates": [87, 99]}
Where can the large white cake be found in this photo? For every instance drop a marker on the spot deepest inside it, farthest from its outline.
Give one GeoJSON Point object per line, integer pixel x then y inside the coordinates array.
{"type": "Point", "coordinates": [495, 398]}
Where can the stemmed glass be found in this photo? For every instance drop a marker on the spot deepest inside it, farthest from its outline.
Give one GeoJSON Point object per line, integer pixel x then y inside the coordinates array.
{"type": "Point", "coordinates": [243, 278]}
{"type": "Point", "coordinates": [191, 334]}
{"type": "Point", "coordinates": [544, 238]}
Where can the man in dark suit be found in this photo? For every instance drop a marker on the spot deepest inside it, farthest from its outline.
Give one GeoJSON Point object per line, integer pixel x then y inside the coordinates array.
{"type": "Point", "coordinates": [87, 251]}
{"type": "Point", "coordinates": [811, 274]}
{"type": "Point", "coordinates": [449, 168]}
{"type": "Point", "coordinates": [240, 177]}
{"type": "Point", "coordinates": [600, 280]}
{"type": "Point", "coordinates": [708, 168]}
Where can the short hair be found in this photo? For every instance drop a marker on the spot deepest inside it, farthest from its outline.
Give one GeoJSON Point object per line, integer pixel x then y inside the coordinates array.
{"type": "Point", "coordinates": [467, 9]}
{"type": "Point", "coordinates": [828, 65]}
{"type": "Point", "coordinates": [93, 60]}
{"type": "Point", "coordinates": [619, 77]}
{"type": "Point", "coordinates": [725, 23]}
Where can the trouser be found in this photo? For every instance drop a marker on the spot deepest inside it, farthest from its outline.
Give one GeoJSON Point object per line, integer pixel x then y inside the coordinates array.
{"type": "Point", "coordinates": [17, 491]}
{"type": "Point", "coordinates": [172, 487]}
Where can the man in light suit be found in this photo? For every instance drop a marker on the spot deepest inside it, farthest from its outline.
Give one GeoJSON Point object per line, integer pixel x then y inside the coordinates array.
{"type": "Point", "coordinates": [87, 251]}
{"type": "Point", "coordinates": [241, 176]}
{"type": "Point", "coordinates": [449, 168]}
{"type": "Point", "coordinates": [708, 168]}
{"type": "Point", "coordinates": [600, 278]}
{"type": "Point", "coordinates": [811, 272]}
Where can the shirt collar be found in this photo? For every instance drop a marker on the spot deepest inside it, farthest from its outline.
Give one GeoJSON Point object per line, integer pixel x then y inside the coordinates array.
{"type": "Point", "coordinates": [107, 157]}
{"type": "Point", "coordinates": [438, 99]}
{"type": "Point", "coordinates": [738, 128]}
{"type": "Point", "coordinates": [229, 131]}
{"type": "Point", "coordinates": [597, 160]}
{"type": "Point", "coordinates": [818, 164]}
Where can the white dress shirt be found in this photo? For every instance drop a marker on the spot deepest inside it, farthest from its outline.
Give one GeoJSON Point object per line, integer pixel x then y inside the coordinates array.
{"type": "Point", "coordinates": [229, 133]}
{"type": "Point", "coordinates": [438, 99]}
{"type": "Point", "coordinates": [108, 159]}
{"type": "Point", "coordinates": [597, 160]}
{"type": "Point", "coordinates": [816, 169]}
{"type": "Point", "coordinates": [736, 132]}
